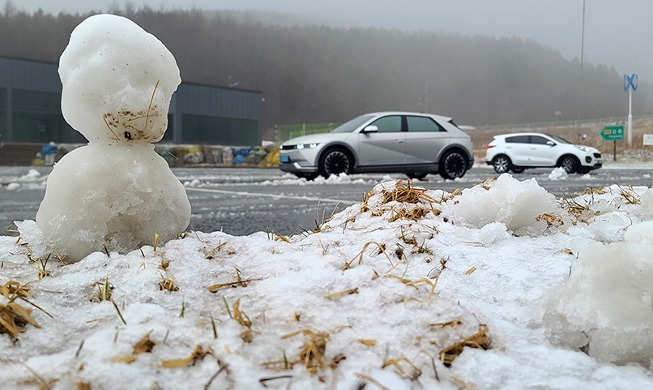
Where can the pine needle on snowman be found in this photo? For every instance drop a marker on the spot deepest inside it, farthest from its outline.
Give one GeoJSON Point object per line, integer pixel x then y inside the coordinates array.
{"type": "Point", "coordinates": [115, 193]}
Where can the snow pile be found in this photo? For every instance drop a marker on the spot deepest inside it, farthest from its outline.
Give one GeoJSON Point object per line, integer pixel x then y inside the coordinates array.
{"type": "Point", "coordinates": [647, 204]}
{"type": "Point", "coordinates": [31, 179]}
{"type": "Point", "coordinates": [558, 174]}
{"type": "Point", "coordinates": [507, 200]}
{"type": "Point", "coordinates": [400, 291]}
{"type": "Point", "coordinates": [606, 306]}
{"type": "Point", "coordinates": [116, 193]}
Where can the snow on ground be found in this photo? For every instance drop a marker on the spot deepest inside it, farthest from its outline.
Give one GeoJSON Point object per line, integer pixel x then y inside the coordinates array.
{"type": "Point", "coordinates": [386, 294]}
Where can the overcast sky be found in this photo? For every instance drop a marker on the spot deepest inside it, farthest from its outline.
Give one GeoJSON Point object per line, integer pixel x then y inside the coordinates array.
{"type": "Point", "coordinates": [617, 33]}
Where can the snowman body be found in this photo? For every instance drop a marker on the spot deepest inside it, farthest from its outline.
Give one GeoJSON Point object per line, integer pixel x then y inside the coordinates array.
{"type": "Point", "coordinates": [116, 193]}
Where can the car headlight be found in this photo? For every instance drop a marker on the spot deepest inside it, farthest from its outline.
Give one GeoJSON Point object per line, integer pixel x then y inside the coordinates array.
{"type": "Point", "coordinates": [584, 149]}
{"type": "Point", "coordinates": [300, 146]}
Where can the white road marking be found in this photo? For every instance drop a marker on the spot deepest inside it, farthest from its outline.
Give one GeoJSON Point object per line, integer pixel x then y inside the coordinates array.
{"type": "Point", "coordinates": [255, 194]}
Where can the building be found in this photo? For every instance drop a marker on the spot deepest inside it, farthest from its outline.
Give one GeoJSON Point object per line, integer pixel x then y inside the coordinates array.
{"type": "Point", "coordinates": [30, 110]}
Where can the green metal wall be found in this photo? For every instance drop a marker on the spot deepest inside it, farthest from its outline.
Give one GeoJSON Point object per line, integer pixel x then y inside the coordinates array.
{"type": "Point", "coordinates": [30, 110]}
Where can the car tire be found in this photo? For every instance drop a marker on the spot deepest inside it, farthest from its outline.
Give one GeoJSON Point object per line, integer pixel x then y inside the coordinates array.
{"type": "Point", "coordinates": [518, 169]}
{"type": "Point", "coordinates": [307, 176]}
{"type": "Point", "coordinates": [570, 163]}
{"type": "Point", "coordinates": [453, 165]}
{"type": "Point", "coordinates": [334, 162]}
{"type": "Point", "coordinates": [501, 164]}
{"type": "Point", "coordinates": [416, 175]}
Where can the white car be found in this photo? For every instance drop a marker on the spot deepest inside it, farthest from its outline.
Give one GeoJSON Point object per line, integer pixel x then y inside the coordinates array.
{"type": "Point", "coordinates": [517, 151]}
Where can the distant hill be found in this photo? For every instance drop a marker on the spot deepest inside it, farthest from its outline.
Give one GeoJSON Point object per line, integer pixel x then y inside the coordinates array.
{"type": "Point", "coordinates": [312, 73]}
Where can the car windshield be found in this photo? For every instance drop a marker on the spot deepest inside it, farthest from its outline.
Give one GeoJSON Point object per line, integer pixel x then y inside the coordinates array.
{"type": "Point", "coordinates": [352, 125]}
{"type": "Point", "coordinates": [559, 139]}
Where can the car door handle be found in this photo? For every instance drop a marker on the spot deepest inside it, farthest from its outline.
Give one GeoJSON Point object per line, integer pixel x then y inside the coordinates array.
{"type": "Point", "coordinates": [400, 141]}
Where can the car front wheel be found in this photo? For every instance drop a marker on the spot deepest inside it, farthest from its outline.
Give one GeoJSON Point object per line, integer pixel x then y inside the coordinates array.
{"type": "Point", "coordinates": [335, 162]}
{"type": "Point", "coordinates": [501, 164]}
{"type": "Point", "coordinates": [570, 164]}
{"type": "Point", "coordinates": [453, 165]}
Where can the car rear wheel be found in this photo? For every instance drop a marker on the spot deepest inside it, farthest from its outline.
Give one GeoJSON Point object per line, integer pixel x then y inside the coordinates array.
{"type": "Point", "coordinates": [335, 162]}
{"type": "Point", "coordinates": [570, 164]}
{"type": "Point", "coordinates": [416, 175]}
{"type": "Point", "coordinates": [501, 164]}
{"type": "Point", "coordinates": [453, 165]}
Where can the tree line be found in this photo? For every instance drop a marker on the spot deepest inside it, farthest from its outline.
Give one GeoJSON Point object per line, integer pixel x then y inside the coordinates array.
{"type": "Point", "coordinates": [320, 74]}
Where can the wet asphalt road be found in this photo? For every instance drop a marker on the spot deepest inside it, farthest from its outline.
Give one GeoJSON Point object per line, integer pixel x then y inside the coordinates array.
{"type": "Point", "coordinates": [242, 201]}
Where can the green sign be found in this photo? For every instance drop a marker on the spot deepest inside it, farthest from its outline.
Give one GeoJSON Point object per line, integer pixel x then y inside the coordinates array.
{"type": "Point", "coordinates": [612, 133]}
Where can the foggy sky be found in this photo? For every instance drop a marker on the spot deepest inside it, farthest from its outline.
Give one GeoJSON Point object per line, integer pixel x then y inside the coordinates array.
{"type": "Point", "coordinates": [616, 34]}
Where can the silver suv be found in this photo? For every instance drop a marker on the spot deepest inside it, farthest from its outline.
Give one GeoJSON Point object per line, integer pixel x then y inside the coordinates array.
{"type": "Point", "coordinates": [383, 142]}
{"type": "Point", "coordinates": [518, 151]}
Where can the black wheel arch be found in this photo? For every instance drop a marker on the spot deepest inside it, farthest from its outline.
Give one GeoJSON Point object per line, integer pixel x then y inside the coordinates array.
{"type": "Point", "coordinates": [456, 148]}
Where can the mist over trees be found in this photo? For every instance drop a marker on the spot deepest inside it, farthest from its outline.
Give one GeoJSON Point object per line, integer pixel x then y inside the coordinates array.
{"type": "Point", "coordinates": [320, 74]}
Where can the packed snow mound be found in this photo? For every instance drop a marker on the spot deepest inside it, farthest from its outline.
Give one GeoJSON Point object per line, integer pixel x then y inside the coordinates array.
{"type": "Point", "coordinates": [605, 306]}
{"type": "Point", "coordinates": [507, 200]}
{"type": "Point", "coordinates": [117, 81]}
{"type": "Point", "coordinates": [392, 292]}
{"type": "Point", "coordinates": [118, 197]}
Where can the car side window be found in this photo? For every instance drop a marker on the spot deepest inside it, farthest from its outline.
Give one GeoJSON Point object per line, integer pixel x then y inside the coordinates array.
{"type": "Point", "coordinates": [388, 124]}
{"type": "Point", "coordinates": [517, 139]}
{"type": "Point", "coordinates": [536, 139]}
{"type": "Point", "coordinates": [422, 124]}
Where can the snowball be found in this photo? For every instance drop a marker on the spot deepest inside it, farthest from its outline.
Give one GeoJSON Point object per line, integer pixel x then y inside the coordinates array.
{"type": "Point", "coordinates": [118, 196]}
{"type": "Point", "coordinates": [117, 81]}
{"type": "Point", "coordinates": [605, 306]}
{"type": "Point", "coordinates": [508, 200]}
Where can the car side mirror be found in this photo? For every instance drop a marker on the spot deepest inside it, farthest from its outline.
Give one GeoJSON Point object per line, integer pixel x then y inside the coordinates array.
{"type": "Point", "coordinates": [371, 129]}
{"type": "Point", "coordinates": [550, 143]}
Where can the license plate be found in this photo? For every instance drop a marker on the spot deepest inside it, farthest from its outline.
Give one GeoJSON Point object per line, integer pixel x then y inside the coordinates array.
{"type": "Point", "coordinates": [284, 159]}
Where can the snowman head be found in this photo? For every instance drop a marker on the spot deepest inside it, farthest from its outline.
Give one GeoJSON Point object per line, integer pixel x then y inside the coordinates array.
{"type": "Point", "coordinates": [117, 81]}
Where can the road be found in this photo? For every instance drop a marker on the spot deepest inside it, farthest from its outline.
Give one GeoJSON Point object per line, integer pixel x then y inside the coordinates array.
{"type": "Point", "coordinates": [242, 201]}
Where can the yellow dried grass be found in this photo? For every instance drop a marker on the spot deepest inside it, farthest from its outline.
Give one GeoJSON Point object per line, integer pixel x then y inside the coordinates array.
{"type": "Point", "coordinates": [404, 192]}
{"type": "Point", "coordinates": [479, 339]}
{"type": "Point", "coordinates": [550, 219]}
{"type": "Point", "coordinates": [359, 256]}
{"type": "Point", "coordinates": [198, 354]}
{"type": "Point", "coordinates": [14, 318]}
{"type": "Point", "coordinates": [311, 354]}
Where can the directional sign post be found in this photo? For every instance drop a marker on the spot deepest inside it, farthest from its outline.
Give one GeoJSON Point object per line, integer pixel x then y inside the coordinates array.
{"type": "Point", "coordinates": [613, 133]}
{"type": "Point", "coordinates": [630, 85]}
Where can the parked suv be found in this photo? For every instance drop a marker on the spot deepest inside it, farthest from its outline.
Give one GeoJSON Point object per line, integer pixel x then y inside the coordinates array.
{"type": "Point", "coordinates": [518, 151]}
{"type": "Point", "coordinates": [383, 142]}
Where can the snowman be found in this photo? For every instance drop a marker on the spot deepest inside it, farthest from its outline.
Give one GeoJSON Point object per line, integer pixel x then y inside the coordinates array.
{"type": "Point", "coordinates": [116, 193]}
